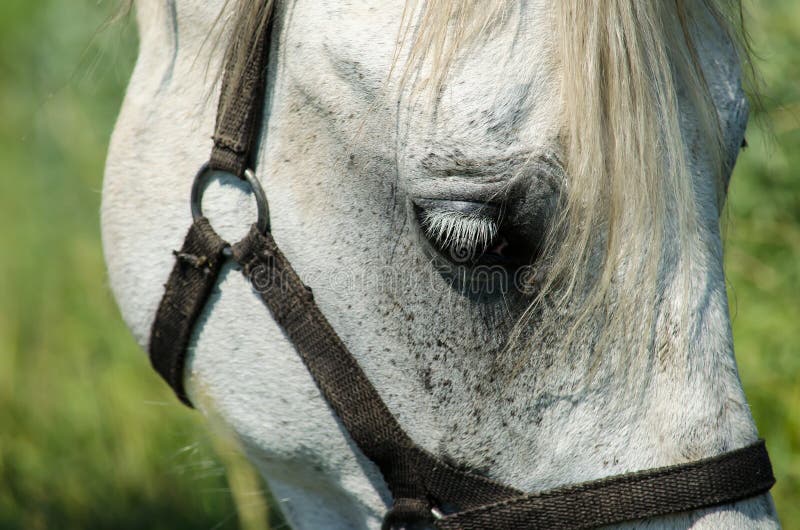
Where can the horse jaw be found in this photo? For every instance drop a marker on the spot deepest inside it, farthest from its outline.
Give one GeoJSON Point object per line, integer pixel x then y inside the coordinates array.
{"type": "Point", "coordinates": [338, 172]}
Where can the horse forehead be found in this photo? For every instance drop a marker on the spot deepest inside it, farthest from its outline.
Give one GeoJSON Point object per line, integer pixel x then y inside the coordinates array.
{"type": "Point", "coordinates": [349, 48]}
{"type": "Point", "coordinates": [518, 40]}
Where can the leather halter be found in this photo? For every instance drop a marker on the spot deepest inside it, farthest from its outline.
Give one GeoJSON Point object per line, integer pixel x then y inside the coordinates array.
{"type": "Point", "coordinates": [425, 488]}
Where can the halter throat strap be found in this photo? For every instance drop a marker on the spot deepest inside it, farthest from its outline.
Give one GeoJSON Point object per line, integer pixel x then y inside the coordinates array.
{"type": "Point", "coordinates": [424, 487]}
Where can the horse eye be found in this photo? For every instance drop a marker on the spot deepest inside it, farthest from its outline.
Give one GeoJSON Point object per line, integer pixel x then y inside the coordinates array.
{"type": "Point", "coordinates": [466, 232]}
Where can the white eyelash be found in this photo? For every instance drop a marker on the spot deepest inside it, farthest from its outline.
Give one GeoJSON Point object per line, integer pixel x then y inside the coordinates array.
{"type": "Point", "coordinates": [458, 230]}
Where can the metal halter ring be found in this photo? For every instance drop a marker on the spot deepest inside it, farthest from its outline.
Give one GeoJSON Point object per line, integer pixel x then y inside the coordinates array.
{"type": "Point", "coordinates": [199, 186]}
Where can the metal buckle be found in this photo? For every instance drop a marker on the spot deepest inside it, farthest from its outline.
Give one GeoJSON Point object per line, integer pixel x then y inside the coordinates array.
{"type": "Point", "coordinates": [199, 185]}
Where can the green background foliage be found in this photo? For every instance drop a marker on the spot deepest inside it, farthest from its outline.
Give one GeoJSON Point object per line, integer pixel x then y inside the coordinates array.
{"type": "Point", "coordinates": [90, 438]}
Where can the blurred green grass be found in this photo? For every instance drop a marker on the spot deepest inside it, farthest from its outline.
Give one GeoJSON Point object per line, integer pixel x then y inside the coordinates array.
{"type": "Point", "coordinates": [763, 249]}
{"type": "Point", "coordinates": [90, 438]}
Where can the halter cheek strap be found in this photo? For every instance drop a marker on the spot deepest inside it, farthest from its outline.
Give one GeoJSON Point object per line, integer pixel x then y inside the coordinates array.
{"type": "Point", "coordinates": [424, 487]}
{"type": "Point", "coordinates": [194, 275]}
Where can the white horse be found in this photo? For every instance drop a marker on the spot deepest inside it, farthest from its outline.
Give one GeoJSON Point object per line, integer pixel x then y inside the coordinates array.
{"type": "Point", "coordinates": [605, 131]}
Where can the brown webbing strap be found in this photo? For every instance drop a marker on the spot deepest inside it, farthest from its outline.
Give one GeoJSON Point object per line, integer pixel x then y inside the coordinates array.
{"type": "Point", "coordinates": [197, 266]}
{"type": "Point", "coordinates": [241, 100]}
{"type": "Point", "coordinates": [723, 479]}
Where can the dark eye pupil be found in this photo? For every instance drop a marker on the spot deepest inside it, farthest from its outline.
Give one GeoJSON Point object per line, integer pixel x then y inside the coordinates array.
{"type": "Point", "coordinates": [499, 246]}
